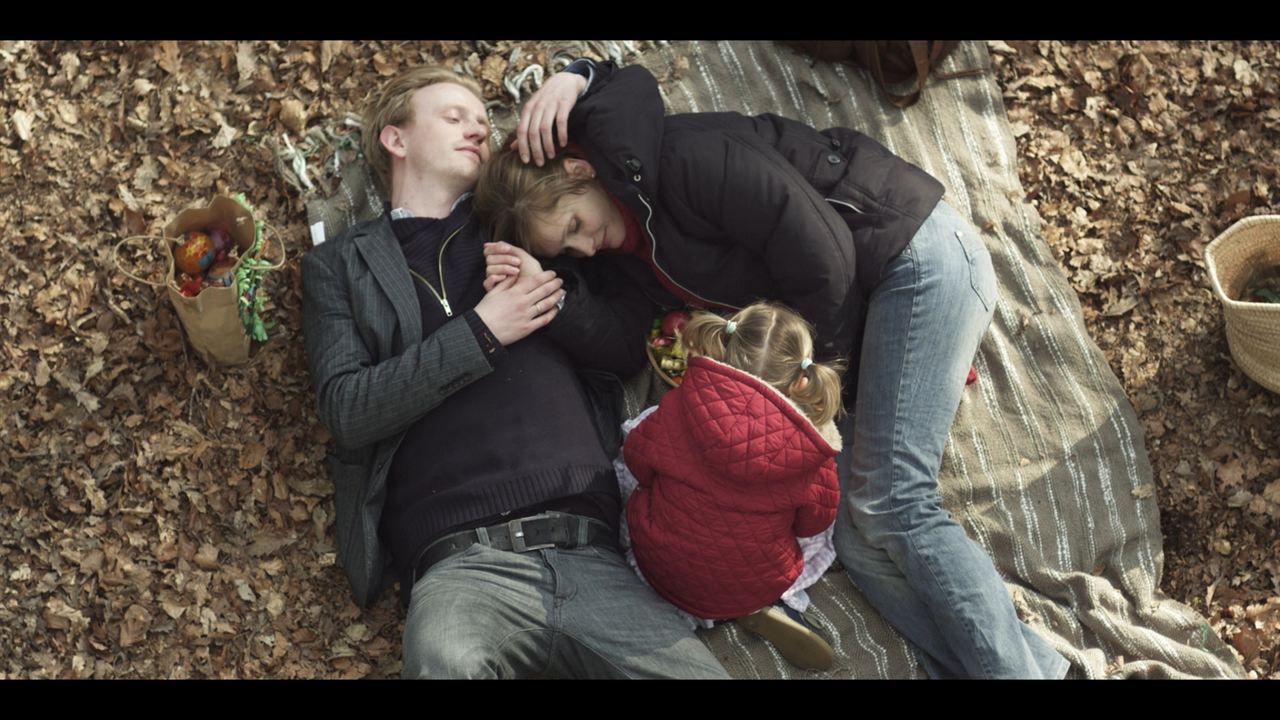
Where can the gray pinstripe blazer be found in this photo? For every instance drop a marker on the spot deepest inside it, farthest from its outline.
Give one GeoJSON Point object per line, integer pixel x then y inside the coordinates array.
{"type": "Point", "coordinates": [374, 376]}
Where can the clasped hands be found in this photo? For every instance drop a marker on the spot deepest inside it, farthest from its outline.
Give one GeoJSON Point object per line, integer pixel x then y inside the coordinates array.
{"type": "Point", "coordinates": [520, 296]}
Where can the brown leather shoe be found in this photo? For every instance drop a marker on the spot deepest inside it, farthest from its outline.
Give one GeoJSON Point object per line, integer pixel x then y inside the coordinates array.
{"type": "Point", "coordinates": [791, 635]}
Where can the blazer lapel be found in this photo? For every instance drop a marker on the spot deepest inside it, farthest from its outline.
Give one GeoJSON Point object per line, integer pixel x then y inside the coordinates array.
{"type": "Point", "coordinates": [381, 252]}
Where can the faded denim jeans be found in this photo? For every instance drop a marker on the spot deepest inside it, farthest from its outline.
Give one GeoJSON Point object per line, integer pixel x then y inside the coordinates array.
{"type": "Point", "coordinates": [913, 562]}
{"type": "Point", "coordinates": [565, 613]}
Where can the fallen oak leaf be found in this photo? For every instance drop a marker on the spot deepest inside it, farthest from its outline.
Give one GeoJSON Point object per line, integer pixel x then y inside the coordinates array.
{"type": "Point", "coordinates": [1239, 498]}
{"type": "Point", "coordinates": [268, 544]}
{"type": "Point", "coordinates": [1246, 641]}
{"type": "Point", "coordinates": [72, 385]}
{"type": "Point", "coordinates": [61, 616]}
{"type": "Point", "coordinates": [173, 609]}
{"type": "Point", "coordinates": [22, 124]}
{"type": "Point", "coordinates": [70, 64]}
{"type": "Point", "coordinates": [92, 562]}
{"type": "Point", "coordinates": [1272, 492]}
{"type": "Point", "coordinates": [246, 64]}
{"type": "Point", "coordinates": [384, 67]}
{"type": "Point", "coordinates": [245, 592]}
{"type": "Point", "coordinates": [328, 49]}
{"type": "Point", "coordinates": [275, 603]}
{"type": "Point", "coordinates": [293, 115]}
{"type": "Point", "coordinates": [95, 367]}
{"type": "Point", "coordinates": [1243, 72]}
{"type": "Point", "coordinates": [316, 488]}
{"type": "Point", "coordinates": [1231, 474]}
{"type": "Point", "coordinates": [68, 112]}
{"type": "Point", "coordinates": [1121, 306]}
{"type": "Point", "coordinates": [168, 57]}
{"type": "Point", "coordinates": [1234, 200]}
{"type": "Point", "coordinates": [226, 133]}
{"type": "Point", "coordinates": [207, 557]}
{"type": "Point", "coordinates": [251, 456]}
{"type": "Point", "coordinates": [137, 621]}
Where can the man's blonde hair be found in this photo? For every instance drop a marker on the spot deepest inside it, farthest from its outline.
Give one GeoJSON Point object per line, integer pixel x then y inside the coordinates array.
{"type": "Point", "coordinates": [772, 342]}
{"type": "Point", "coordinates": [391, 104]}
{"type": "Point", "coordinates": [511, 194]}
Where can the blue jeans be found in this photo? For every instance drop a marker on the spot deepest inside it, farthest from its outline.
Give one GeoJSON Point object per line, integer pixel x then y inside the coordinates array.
{"type": "Point", "coordinates": [913, 562]}
{"type": "Point", "coordinates": [573, 613]}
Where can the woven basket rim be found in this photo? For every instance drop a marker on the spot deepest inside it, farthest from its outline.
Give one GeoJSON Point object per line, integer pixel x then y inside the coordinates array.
{"type": "Point", "coordinates": [1213, 249]}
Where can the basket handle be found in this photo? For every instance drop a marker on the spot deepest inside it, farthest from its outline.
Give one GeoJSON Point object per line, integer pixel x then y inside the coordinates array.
{"type": "Point", "coordinates": [115, 258]}
{"type": "Point", "coordinates": [268, 228]}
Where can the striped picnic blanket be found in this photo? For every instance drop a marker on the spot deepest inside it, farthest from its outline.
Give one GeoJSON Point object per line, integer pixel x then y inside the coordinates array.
{"type": "Point", "coordinates": [1045, 466]}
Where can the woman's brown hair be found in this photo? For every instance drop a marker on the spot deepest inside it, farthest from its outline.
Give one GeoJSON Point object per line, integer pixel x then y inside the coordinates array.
{"type": "Point", "coordinates": [511, 194]}
{"type": "Point", "coordinates": [772, 342]}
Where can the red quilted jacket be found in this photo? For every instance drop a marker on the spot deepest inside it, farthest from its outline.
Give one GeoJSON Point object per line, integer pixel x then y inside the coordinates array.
{"type": "Point", "coordinates": [730, 474]}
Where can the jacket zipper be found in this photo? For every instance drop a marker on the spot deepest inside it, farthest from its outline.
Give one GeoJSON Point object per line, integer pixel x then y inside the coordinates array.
{"type": "Point", "coordinates": [653, 253]}
{"type": "Point", "coordinates": [443, 296]}
{"type": "Point", "coordinates": [851, 206]}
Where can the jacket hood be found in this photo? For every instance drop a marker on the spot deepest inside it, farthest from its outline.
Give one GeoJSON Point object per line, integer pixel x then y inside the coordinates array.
{"type": "Point", "coordinates": [742, 424]}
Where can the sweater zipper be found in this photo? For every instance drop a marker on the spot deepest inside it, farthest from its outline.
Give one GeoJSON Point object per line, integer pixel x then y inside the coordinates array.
{"type": "Point", "coordinates": [653, 243]}
{"type": "Point", "coordinates": [443, 296]}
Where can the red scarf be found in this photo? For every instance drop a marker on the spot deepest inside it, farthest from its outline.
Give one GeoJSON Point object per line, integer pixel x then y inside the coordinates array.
{"type": "Point", "coordinates": [636, 244]}
{"type": "Point", "coordinates": [633, 243]}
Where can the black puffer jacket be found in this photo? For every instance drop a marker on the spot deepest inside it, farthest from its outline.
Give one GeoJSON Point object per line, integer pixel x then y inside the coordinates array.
{"type": "Point", "coordinates": [742, 208]}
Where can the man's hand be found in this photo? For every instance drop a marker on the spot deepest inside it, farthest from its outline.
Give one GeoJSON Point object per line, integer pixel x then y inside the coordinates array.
{"type": "Point", "coordinates": [517, 306]}
{"type": "Point", "coordinates": [504, 260]}
{"type": "Point", "coordinates": [551, 104]}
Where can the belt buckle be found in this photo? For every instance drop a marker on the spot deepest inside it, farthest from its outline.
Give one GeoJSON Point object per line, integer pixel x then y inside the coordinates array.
{"type": "Point", "coordinates": [515, 528]}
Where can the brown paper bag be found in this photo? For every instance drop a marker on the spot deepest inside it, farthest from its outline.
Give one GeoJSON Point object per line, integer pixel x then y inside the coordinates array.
{"type": "Point", "coordinates": [211, 318]}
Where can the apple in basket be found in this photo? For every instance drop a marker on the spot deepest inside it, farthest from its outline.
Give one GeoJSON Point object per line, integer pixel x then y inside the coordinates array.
{"type": "Point", "coordinates": [673, 322]}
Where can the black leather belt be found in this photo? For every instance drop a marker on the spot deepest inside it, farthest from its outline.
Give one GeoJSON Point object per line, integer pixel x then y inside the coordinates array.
{"type": "Point", "coordinates": [546, 530]}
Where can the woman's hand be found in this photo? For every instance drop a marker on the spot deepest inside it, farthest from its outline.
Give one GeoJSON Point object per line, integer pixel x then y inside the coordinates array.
{"type": "Point", "coordinates": [517, 306]}
{"type": "Point", "coordinates": [503, 260]}
{"type": "Point", "coordinates": [549, 105]}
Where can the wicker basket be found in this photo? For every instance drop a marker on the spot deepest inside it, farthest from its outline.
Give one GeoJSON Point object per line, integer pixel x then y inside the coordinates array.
{"type": "Point", "coordinates": [1253, 328]}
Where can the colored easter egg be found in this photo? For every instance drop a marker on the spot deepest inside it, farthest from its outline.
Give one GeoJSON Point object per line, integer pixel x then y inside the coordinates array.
{"type": "Point", "coordinates": [195, 253]}
{"type": "Point", "coordinates": [221, 239]}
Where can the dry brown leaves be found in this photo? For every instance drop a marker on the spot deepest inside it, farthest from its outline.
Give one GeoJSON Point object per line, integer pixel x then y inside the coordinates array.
{"type": "Point", "coordinates": [1138, 154]}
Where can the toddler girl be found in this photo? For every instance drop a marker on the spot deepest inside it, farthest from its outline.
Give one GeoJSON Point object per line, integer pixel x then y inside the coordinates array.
{"type": "Point", "coordinates": [731, 468]}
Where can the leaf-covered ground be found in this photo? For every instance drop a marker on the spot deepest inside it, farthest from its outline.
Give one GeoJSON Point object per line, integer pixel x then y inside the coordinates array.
{"type": "Point", "coordinates": [1137, 155]}
{"type": "Point", "coordinates": [160, 518]}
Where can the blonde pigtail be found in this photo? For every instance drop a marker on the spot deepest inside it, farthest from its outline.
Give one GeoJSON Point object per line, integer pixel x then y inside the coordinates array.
{"type": "Point", "coordinates": [820, 399]}
{"type": "Point", "coordinates": [705, 335]}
